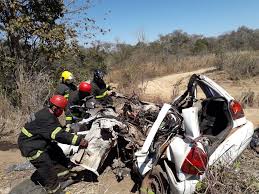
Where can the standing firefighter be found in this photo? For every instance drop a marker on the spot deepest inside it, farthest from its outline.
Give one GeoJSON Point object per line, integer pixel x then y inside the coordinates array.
{"type": "Point", "coordinates": [67, 84]}
{"type": "Point", "coordinates": [100, 89]}
{"type": "Point", "coordinates": [77, 98]}
{"type": "Point", "coordinates": [37, 142]}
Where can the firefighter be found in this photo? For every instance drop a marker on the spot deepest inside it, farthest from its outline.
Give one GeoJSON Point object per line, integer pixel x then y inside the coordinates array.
{"type": "Point", "coordinates": [77, 98]}
{"type": "Point", "coordinates": [67, 84]}
{"type": "Point", "coordinates": [100, 88]}
{"type": "Point", "coordinates": [37, 142]}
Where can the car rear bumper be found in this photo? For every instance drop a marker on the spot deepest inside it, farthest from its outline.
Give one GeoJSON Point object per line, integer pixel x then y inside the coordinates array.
{"type": "Point", "coordinates": [181, 187]}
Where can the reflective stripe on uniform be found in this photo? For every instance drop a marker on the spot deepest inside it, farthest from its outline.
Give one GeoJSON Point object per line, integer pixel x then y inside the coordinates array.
{"type": "Point", "coordinates": [35, 156]}
{"type": "Point", "coordinates": [102, 95]}
{"type": "Point", "coordinates": [66, 96]}
{"type": "Point", "coordinates": [143, 190]}
{"type": "Point", "coordinates": [74, 139]}
{"type": "Point", "coordinates": [26, 132]}
{"type": "Point", "coordinates": [54, 133]}
{"type": "Point", "coordinates": [146, 190]}
{"type": "Point", "coordinates": [54, 190]}
{"type": "Point", "coordinates": [63, 173]}
{"type": "Point", "coordinates": [67, 129]}
{"type": "Point", "coordinates": [69, 118]}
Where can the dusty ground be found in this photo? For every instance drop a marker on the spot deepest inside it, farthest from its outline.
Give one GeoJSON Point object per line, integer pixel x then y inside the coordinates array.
{"type": "Point", "coordinates": [158, 89]}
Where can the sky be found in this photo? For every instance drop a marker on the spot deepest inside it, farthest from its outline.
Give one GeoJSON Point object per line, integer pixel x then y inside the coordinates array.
{"type": "Point", "coordinates": [129, 18]}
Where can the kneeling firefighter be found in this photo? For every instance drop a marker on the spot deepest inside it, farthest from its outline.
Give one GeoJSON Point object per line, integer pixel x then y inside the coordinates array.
{"type": "Point", "coordinates": [38, 143]}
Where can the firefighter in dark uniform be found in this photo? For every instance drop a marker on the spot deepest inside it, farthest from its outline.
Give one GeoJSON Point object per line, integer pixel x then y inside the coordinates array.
{"type": "Point", "coordinates": [77, 98]}
{"type": "Point", "coordinates": [100, 90]}
{"type": "Point", "coordinates": [67, 84]}
{"type": "Point", "coordinates": [37, 142]}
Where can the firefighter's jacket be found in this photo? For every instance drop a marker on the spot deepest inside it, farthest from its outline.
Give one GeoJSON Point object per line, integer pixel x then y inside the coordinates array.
{"type": "Point", "coordinates": [65, 89]}
{"type": "Point", "coordinates": [42, 129]}
{"type": "Point", "coordinates": [75, 99]}
{"type": "Point", "coordinates": [99, 89]}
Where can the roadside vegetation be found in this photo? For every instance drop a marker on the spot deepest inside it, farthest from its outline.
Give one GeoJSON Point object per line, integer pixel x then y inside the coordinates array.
{"type": "Point", "coordinates": [240, 178]}
{"type": "Point", "coordinates": [37, 43]}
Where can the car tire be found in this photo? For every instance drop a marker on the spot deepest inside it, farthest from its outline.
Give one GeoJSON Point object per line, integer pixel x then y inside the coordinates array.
{"type": "Point", "coordinates": [155, 182]}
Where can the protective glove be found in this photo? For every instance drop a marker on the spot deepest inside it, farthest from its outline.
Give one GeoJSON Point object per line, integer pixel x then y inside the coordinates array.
{"type": "Point", "coordinates": [113, 94]}
{"type": "Point", "coordinates": [109, 87]}
{"type": "Point", "coordinates": [83, 143]}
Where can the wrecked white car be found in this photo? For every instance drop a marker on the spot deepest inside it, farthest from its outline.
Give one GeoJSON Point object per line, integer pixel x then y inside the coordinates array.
{"type": "Point", "coordinates": [215, 131]}
{"type": "Point", "coordinates": [167, 148]}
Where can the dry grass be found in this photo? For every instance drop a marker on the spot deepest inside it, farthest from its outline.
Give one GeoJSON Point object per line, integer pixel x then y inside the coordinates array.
{"type": "Point", "coordinates": [176, 89]}
{"type": "Point", "coordinates": [249, 99]}
{"type": "Point", "coordinates": [11, 118]}
{"type": "Point", "coordinates": [137, 72]}
{"type": "Point", "coordinates": [239, 65]}
{"type": "Point", "coordinates": [33, 90]}
{"type": "Point", "coordinates": [240, 178]}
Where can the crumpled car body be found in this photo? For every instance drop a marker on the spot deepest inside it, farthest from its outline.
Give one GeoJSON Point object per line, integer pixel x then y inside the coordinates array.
{"type": "Point", "coordinates": [216, 132]}
{"type": "Point", "coordinates": [176, 142]}
{"type": "Point", "coordinates": [101, 138]}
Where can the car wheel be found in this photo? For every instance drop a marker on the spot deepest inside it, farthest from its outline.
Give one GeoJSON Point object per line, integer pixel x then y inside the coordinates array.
{"type": "Point", "coordinates": [155, 182]}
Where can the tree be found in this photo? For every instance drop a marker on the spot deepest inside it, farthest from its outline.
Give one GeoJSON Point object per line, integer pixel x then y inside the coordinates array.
{"type": "Point", "coordinates": [30, 28]}
{"type": "Point", "coordinates": [35, 34]}
{"type": "Point", "coordinates": [201, 45]}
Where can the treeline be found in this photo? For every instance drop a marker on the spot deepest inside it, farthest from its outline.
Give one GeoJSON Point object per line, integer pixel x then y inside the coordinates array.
{"type": "Point", "coordinates": [177, 51]}
{"type": "Point", "coordinates": [39, 39]}
{"type": "Point", "coordinates": [177, 44]}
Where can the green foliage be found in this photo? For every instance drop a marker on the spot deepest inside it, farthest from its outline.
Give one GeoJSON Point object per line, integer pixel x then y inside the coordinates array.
{"type": "Point", "coordinates": [31, 29]}
{"type": "Point", "coordinates": [36, 37]}
{"type": "Point", "coordinates": [200, 46]}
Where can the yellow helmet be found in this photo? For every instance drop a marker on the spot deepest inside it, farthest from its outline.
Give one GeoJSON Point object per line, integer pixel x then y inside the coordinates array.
{"type": "Point", "coordinates": [67, 76]}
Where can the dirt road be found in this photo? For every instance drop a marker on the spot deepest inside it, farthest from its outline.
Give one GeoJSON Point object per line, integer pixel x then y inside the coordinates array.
{"type": "Point", "coordinates": [162, 87]}
{"type": "Point", "coordinates": [156, 89]}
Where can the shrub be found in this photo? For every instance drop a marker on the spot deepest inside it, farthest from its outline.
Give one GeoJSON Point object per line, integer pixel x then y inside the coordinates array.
{"type": "Point", "coordinates": [239, 65]}
{"type": "Point", "coordinates": [33, 90]}
{"type": "Point", "coordinates": [239, 178]}
{"type": "Point", "coordinates": [11, 118]}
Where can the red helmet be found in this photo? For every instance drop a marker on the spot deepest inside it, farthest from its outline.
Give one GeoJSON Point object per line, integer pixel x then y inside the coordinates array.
{"type": "Point", "coordinates": [59, 101]}
{"type": "Point", "coordinates": [85, 87]}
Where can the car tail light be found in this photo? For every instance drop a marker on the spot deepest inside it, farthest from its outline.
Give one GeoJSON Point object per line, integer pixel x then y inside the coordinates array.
{"type": "Point", "coordinates": [236, 110]}
{"type": "Point", "coordinates": [195, 162]}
